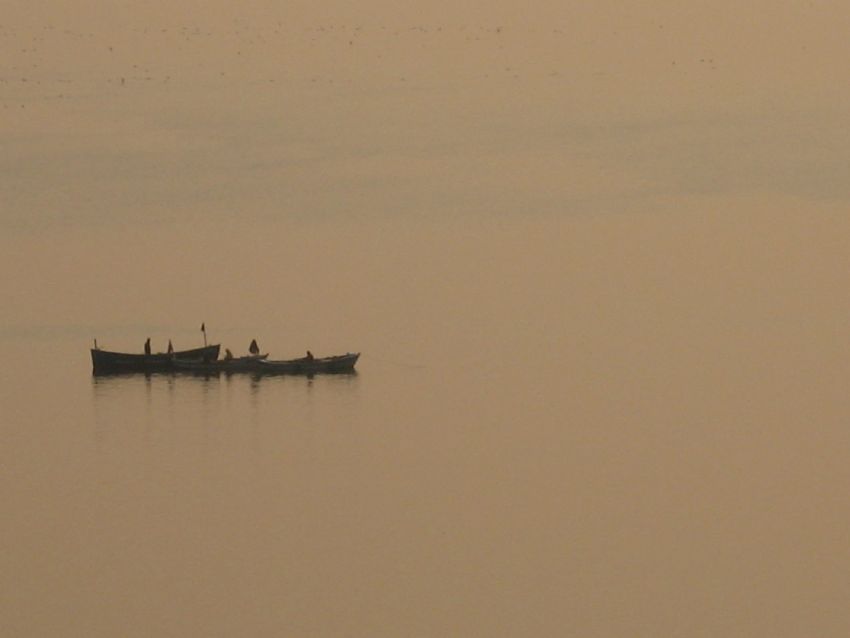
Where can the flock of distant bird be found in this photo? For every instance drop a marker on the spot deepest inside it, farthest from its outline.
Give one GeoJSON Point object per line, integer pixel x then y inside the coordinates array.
{"type": "Point", "coordinates": [33, 68]}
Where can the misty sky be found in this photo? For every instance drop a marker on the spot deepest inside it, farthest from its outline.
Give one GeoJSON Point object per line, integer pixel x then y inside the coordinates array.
{"type": "Point", "coordinates": [385, 108]}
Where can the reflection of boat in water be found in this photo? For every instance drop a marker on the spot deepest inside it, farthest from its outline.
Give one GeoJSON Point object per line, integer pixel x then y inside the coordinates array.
{"type": "Point", "coordinates": [338, 364]}
{"type": "Point", "coordinates": [105, 362]}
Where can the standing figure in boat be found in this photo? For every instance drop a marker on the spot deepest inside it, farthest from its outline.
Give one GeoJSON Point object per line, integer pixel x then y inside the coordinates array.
{"type": "Point", "coordinates": [170, 347]}
{"type": "Point", "coordinates": [148, 346]}
{"type": "Point", "coordinates": [254, 348]}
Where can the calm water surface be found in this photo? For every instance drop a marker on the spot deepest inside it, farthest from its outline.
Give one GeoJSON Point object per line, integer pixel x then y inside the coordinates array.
{"type": "Point", "coordinates": [602, 308]}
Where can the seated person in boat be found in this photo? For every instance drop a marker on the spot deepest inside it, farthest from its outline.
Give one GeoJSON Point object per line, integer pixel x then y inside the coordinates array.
{"type": "Point", "coordinates": [310, 356]}
{"type": "Point", "coordinates": [254, 348]}
{"type": "Point", "coordinates": [228, 355]}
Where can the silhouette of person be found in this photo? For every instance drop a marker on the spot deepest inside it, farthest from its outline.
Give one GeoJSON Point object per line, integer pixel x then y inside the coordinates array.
{"type": "Point", "coordinates": [254, 348]}
{"type": "Point", "coordinates": [310, 356]}
{"type": "Point", "coordinates": [170, 347]}
{"type": "Point", "coordinates": [148, 346]}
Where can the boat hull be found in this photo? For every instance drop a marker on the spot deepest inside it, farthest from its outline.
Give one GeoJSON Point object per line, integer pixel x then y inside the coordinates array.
{"type": "Point", "coordinates": [106, 362]}
{"type": "Point", "coordinates": [237, 364]}
{"type": "Point", "coordinates": [340, 364]}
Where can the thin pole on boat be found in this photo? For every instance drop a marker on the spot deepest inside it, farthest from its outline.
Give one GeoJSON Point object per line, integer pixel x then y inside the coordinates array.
{"type": "Point", "coordinates": [204, 330]}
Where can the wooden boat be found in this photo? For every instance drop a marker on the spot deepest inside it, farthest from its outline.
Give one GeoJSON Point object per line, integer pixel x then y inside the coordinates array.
{"type": "Point", "coordinates": [106, 362]}
{"type": "Point", "coordinates": [259, 364]}
{"type": "Point", "coordinates": [309, 365]}
{"type": "Point", "coordinates": [234, 364]}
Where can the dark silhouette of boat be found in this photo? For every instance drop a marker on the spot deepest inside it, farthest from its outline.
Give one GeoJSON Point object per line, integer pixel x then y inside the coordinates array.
{"type": "Point", "coordinates": [341, 363]}
{"type": "Point", "coordinates": [234, 364]}
{"type": "Point", "coordinates": [261, 365]}
{"type": "Point", "coordinates": [106, 362]}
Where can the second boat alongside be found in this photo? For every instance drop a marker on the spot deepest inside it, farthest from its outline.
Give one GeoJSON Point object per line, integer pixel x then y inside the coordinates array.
{"type": "Point", "coordinates": [260, 364]}
{"type": "Point", "coordinates": [310, 365]}
{"type": "Point", "coordinates": [233, 364]}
